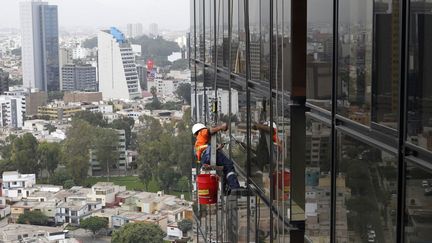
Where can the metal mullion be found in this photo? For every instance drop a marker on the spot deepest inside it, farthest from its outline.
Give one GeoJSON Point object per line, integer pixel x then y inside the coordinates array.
{"type": "Point", "coordinates": [419, 151]}
{"type": "Point", "coordinates": [403, 95]}
{"type": "Point", "coordinates": [333, 122]}
{"type": "Point", "coordinates": [319, 118]}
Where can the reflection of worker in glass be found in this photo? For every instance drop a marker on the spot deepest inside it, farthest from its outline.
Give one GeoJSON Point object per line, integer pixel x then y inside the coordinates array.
{"type": "Point", "coordinates": [203, 151]}
{"type": "Point", "coordinates": [266, 128]}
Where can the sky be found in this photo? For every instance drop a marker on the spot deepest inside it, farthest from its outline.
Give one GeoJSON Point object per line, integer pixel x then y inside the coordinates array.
{"type": "Point", "coordinates": [168, 14]}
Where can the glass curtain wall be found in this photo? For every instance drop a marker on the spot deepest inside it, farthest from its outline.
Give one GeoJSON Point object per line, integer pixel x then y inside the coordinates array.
{"type": "Point", "coordinates": [367, 138]}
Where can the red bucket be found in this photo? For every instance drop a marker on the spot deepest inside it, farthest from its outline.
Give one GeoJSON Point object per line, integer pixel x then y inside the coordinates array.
{"type": "Point", "coordinates": [282, 183]}
{"type": "Point", "coordinates": [207, 188]}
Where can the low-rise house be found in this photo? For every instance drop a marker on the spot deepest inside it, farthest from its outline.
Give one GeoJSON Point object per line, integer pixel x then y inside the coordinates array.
{"type": "Point", "coordinates": [74, 211]}
{"type": "Point", "coordinates": [107, 213]}
{"type": "Point", "coordinates": [14, 183]}
{"type": "Point", "coordinates": [135, 217]}
{"type": "Point", "coordinates": [31, 233]}
{"type": "Point", "coordinates": [49, 209]}
{"type": "Point", "coordinates": [22, 207]}
{"type": "Point", "coordinates": [173, 233]}
{"type": "Point", "coordinates": [5, 209]}
{"type": "Point", "coordinates": [105, 192]}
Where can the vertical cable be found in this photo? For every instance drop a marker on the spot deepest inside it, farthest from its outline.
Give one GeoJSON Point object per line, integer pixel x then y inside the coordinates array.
{"type": "Point", "coordinates": [248, 108]}
{"type": "Point", "coordinates": [229, 2]}
{"type": "Point", "coordinates": [271, 79]}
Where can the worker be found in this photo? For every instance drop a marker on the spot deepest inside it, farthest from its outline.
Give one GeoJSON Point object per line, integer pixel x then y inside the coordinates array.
{"type": "Point", "coordinates": [203, 151]}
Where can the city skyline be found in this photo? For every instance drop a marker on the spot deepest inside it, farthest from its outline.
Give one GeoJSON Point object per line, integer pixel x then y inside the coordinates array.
{"type": "Point", "coordinates": [106, 13]}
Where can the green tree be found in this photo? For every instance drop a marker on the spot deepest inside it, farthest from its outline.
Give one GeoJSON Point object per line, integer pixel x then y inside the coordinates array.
{"type": "Point", "coordinates": [94, 224]}
{"type": "Point", "coordinates": [138, 232]}
{"type": "Point", "coordinates": [68, 184]}
{"type": "Point", "coordinates": [93, 118]}
{"type": "Point", "coordinates": [49, 155]}
{"type": "Point", "coordinates": [106, 148]}
{"type": "Point", "coordinates": [126, 124]}
{"type": "Point", "coordinates": [185, 225]}
{"type": "Point", "coordinates": [33, 217]}
{"type": "Point", "coordinates": [180, 64]}
{"type": "Point", "coordinates": [24, 154]}
{"type": "Point", "coordinates": [59, 177]}
{"type": "Point", "coordinates": [76, 149]}
{"type": "Point", "coordinates": [168, 177]}
{"type": "Point", "coordinates": [183, 184]}
{"type": "Point", "coordinates": [155, 104]}
{"type": "Point", "coordinates": [184, 92]}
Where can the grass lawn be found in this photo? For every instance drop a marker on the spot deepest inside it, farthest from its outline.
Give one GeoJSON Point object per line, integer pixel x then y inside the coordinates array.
{"type": "Point", "coordinates": [131, 182]}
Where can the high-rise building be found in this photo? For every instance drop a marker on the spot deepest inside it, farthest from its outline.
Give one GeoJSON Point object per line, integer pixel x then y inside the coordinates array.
{"type": "Point", "coordinates": [66, 57]}
{"type": "Point", "coordinates": [79, 78]}
{"type": "Point", "coordinates": [118, 76]}
{"type": "Point", "coordinates": [142, 75]}
{"type": "Point", "coordinates": [134, 30]}
{"type": "Point", "coordinates": [12, 111]}
{"type": "Point", "coordinates": [4, 81]}
{"type": "Point", "coordinates": [153, 29]}
{"type": "Point", "coordinates": [40, 45]}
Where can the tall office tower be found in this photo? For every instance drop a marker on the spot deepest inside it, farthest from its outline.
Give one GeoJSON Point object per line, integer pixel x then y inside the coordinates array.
{"type": "Point", "coordinates": [118, 76]}
{"type": "Point", "coordinates": [134, 30]}
{"type": "Point", "coordinates": [12, 110]}
{"type": "Point", "coordinates": [153, 29]}
{"type": "Point", "coordinates": [65, 57]}
{"type": "Point", "coordinates": [79, 78]}
{"type": "Point", "coordinates": [4, 81]}
{"type": "Point", "coordinates": [142, 75]}
{"type": "Point", "coordinates": [40, 45]}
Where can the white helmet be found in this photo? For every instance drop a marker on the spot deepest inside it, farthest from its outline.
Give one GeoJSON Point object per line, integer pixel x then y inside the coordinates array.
{"type": "Point", "coordinates": [197, 127]}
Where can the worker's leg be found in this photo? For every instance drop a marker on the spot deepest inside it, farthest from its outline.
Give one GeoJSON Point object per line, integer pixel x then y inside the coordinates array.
{"type": "Point", "coordinates": [228, 166]}
{"type": "Point", "coordinates": [228, 169]}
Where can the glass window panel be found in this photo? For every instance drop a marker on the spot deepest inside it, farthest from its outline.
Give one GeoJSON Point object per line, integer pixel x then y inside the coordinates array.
{"type": "Point", "coordinates": [420, 75]}
{"type": "Point", "coordinates": [319, 72]}
{"type": "Point", "coordinates": [355, 60]}
{"type": "Point", "coordinates": [385, 74]}
{"type": "Point", "coordinates": [192, 30]}
{"type": "Point", "coordinates": [366, 182]}
{"type": "Point", "coordinates": [209, 31]}
{"type": "Point", "coordinates": [198, 95]}
{"type": "Point", "coordinates": [238, 40]}
{"type": "Point", "coordinates": [200, 29]}
{"type": "Point", "coordinates": [418, 225]}
{"type": "Point", "coordinates": [318, 181]}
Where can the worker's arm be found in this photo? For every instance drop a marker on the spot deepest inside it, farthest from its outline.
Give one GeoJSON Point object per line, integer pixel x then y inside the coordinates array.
{"type": "Point", "coordinates": [261, 127]}
{"type": "Point", "coordinates": [215, 129]}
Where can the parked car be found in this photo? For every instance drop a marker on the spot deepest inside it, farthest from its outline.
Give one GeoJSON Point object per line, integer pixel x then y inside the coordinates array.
{"type": "Point", "coordinates": [425, 183]}
{"type": "Point", "coordinates": [371, 239]}
{"type": "Point", "coordinates": [371, 233]}
{"type": "Point", "coordinates": [428, 191]}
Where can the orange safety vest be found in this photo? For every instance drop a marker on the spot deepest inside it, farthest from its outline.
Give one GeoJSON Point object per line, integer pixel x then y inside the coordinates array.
{"type": "Point", "coordinates": [202, 141]}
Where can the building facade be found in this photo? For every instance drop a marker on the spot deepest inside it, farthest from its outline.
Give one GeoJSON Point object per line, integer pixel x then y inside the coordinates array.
{"type": "Point", "coordinates": [346, 88]}
{"type": "Point", "coordinates": [134, 30]}
{"type": "Point", "coordinates": [4, 81]}
{"type": "Point", "coordinates": [40, 45]}
{"type": "Point", "coordinates": [118, 76]}
{"type": "Point", "coordinates": [79, 78]}
{"type": "Point", "coordinates": [12, 111]}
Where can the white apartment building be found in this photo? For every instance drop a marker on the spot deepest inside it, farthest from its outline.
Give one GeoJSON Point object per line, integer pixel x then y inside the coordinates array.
{"type": "Point", "coordinates": [166, 87]}
{"type": "Point", "coordinates": [95, 166]}
{"type": "Point", "coordinates": [118, 76]}
{"type": "Point", "coordinates": [222, 100]}
{"type": "Point", "coordinates": [14, 184]}
{"type": "Point", "coordinates": [74, 211]}
{"type": "Point", "coordinates": [12, 111]}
